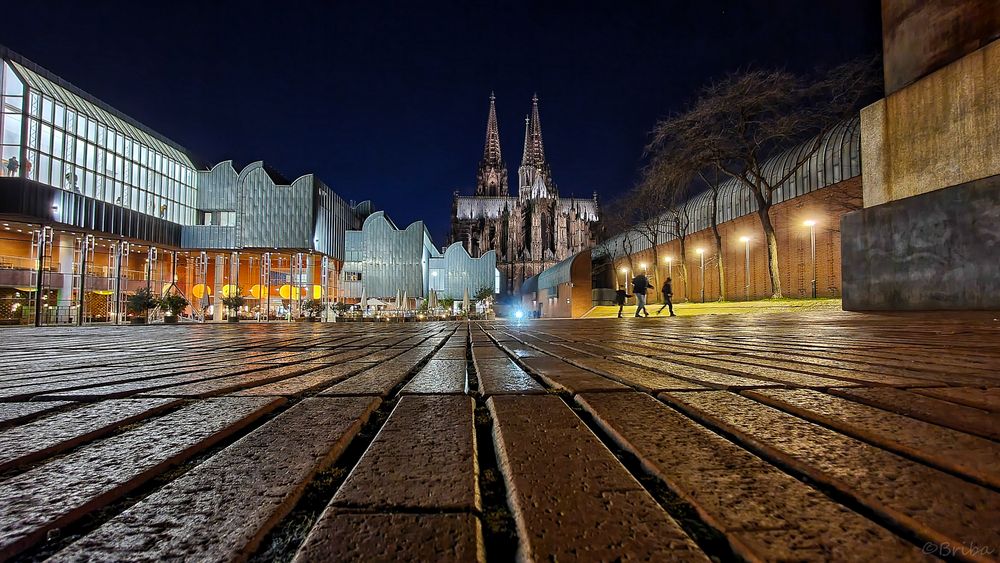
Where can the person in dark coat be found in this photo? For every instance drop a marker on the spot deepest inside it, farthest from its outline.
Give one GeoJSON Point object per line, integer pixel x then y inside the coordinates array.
{"type": "Point", "coordinates": [640, 285]}
{"type": "Point", "coordinates": [620, 297]}
{"type": "Point", "coordinates": [668, 293]}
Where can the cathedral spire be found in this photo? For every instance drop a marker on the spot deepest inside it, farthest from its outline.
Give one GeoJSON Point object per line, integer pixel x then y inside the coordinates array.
{"type": "Point", "coordinates": [526, 155]}
{"type": "Point", "coordinates": [491, 180]}
{"type": "Point", "coordinates": [535, 177]}
{"type": "Point", "coordinates": [537, 147]}
{"type": "Point", "coordinates": [491, 153]}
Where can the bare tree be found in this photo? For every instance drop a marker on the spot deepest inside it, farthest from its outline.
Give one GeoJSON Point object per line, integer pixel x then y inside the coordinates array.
{"type": "Point", "coordinates": [614, 239]}
{"type": "Point", "coordinates": [746, 117]}
{"type": "Point", "coordinates": [649, 217]}
{"type": "Point", "coordinates": [681, 220]}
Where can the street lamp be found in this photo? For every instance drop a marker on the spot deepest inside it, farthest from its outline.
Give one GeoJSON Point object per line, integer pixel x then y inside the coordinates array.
{"type": "Point", "coordinates": [812, 244]}
{"type": "Point", "coordinates": [746, 243]}
{"type": "Point", "coordinates": [670, 267]}
{"type": "Point", "coordinates": [701, 252]}
{"type": "Point", "coordinates": [625, 275]}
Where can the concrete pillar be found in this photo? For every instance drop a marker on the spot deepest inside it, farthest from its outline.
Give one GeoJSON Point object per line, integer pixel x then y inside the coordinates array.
{"type": "Point", "coordinates": [220, 269]}
{"type": "Point", "coordinates": [310, 272]}
{"type": "Point", "coordinates": [67, 248]}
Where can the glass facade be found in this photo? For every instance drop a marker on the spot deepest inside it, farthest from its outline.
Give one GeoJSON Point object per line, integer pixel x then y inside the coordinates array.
{"type": "Point", "coordinates": [61, 139]}
{"type": "Point", "coordinates": [96, 206]}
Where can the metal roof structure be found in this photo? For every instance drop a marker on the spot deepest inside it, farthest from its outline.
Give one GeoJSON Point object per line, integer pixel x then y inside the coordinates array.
{"type": "Point", "coordinates": [838, 159]}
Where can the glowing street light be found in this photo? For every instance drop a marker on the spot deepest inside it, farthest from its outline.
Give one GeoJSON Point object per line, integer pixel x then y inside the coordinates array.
{"type": "Point", "coordinates": [701, 252]}
{"type": "Point", "coordinates": [746, 243]}
{"type": "Point", "coordinates": [625, 273]}
{"type": "Point", "coordinates": [812, 243]}
{"type": "Point", "coordinates": [670, 266]}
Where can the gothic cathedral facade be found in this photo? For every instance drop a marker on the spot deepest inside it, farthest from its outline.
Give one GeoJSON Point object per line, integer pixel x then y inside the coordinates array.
{"type": "Point", "coordinates": [530, 231]}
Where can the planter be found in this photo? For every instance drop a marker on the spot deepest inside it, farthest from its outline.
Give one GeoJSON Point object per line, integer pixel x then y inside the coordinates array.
{"type": "Point", "coordinates": [138, 320]}
{"type": "Point", "coordinates": [171, 320]}
{"type": "Point", "coordinates": [234, 319]}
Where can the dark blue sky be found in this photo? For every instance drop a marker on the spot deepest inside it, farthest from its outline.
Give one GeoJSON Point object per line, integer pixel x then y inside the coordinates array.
{"type": "Point", "coordinates": [388, 101]}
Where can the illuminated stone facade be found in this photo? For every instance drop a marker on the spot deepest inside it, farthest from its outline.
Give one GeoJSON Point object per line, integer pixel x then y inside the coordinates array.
{"type": "Point", "coordinates": [532, 230]}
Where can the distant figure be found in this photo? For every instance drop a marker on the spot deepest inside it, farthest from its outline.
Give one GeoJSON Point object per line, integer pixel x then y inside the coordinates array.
{"type": "Point", "coordinates": [620, 297]}
{"type": "Point", "coordinates": [640, 285]}
{"type": "Point", "coordinates": [12, 165]}
{"type": "Point", "coordinates": [668, 293]}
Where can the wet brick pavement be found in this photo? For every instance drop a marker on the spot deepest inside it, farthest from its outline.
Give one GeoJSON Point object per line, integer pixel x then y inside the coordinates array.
{"type": "Point", "coordinates": [809, 436]}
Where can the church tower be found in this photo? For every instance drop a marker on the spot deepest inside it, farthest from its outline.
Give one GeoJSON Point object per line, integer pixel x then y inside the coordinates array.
{"type": "Point", "coordinates": [491, 179]}
{"type": "Point", "coordinates": [535, 176]}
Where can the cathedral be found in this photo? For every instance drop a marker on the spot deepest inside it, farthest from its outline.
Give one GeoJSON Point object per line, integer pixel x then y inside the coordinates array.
{"type": "Point", "coordinates": [530, 231]}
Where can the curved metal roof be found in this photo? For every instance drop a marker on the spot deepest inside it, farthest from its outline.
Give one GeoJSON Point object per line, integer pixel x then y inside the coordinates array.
{"type": "Point", "coordinates": [561, 272]}
{"type": "Point", "coordinates": [838, 159]}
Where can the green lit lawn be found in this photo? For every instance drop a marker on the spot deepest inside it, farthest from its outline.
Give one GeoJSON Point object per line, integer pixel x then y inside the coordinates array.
{"type": "Point", "coordinates": [724, 308]}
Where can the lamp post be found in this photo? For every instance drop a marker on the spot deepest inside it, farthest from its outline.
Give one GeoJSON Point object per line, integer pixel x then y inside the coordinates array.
{"type": "Point", "coordinates": [746, 243]}
{"type": "Point", "coordinates": [812, 245]}
{"type": "Point", "coordinates": [701, 253]}
{"type": "Point", "coordinates": [625, 275]}
{"type": "Point", "coordinates": [670, 267]}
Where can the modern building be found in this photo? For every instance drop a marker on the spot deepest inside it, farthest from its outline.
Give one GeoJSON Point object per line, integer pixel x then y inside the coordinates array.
{"type": "Point", "coordinates": [563, 291]}
{"type": "Point", "coordinates": [528, 232]}
{"type": "Point", "coordinates": [808, 206]}
{"type": "Point", "coordinates": [384, 261]}
{"type": "Point", "coordinates": [94, 206]}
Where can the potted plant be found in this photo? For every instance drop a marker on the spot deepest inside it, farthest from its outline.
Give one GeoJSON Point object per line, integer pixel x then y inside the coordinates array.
{"type": "Point", "coordinates": [315, 308]}
{"type": "Point", "coordinates": [139, 304]}
{"type": "Point", "coordinates": [233, 303]}
{"type": "Point", "coordinates": [172, 304]}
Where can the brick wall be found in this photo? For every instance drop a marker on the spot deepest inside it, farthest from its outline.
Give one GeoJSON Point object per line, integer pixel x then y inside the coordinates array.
{"type": "Point", "coordinates": [825, 206]}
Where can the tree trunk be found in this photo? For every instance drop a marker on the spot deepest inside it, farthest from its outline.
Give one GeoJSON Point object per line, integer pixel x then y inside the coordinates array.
{"type": "Point", "coordinates": [684, 269]}
{"type": "Point", "coordinates": [763, 211]}
{"type": "Point", "coordinates": [656, 272]}
{"type": "Point", "coordinates": [718, 260]}
{"type": "Point", "coordinates": [718, 247]}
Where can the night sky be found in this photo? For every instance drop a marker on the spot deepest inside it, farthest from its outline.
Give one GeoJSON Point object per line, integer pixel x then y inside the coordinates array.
{"type": "Point", "coordinates": [388, 101]}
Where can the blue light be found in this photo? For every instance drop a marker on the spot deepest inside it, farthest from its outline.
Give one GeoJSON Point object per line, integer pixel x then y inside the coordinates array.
{"type": "Point", "coordinates": [519, 314]}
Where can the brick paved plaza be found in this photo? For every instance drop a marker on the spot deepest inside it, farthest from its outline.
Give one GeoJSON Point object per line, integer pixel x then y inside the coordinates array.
{"type": "Point", "coordinates": [817, 435]}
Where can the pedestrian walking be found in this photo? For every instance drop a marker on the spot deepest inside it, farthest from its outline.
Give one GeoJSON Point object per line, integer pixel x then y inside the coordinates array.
{"type": "Point", "coordinates": [620, 297]}
{"type": "Point", "coordinates": [640, 285]}
{"type": "Point", "coordinates": [668, 293]}
{"type": "Point", "coordinates": [12, 165]}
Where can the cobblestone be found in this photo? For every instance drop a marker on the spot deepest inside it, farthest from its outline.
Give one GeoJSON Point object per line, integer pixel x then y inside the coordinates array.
{"type": "Point", "coordinates": [439, 376]}
{"type": "Point", "coordinates": [814, 436]}
{"type": "Point", "coordinates": [571, 498]}
{"type": "Point", "coordinates": [937, 411]}
{"type": "Point", "coordinates": [423, 458]}
{"type": "Point", "coordinates": [15, 412]}
{"type": "Point", "coordinates": [56, 493]}
{"type": "Point", "coordinates": [63, 431]}
{"type": "Point", "coordinates": [937, 506]}
{"type": "Point", "coordinates": [976, 458]}
{"type": "Point", "coordinates": [765, 513]}
{"type": "Point", "coordinates": [444, 538]}
{"type": "Point", "coordinates": [220, 510]}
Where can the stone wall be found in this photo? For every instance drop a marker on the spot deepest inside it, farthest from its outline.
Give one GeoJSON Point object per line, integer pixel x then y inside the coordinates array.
{"type": "Point", "coordinates": [941, 131]}
{"type": "Point", "coordinates": [940, 250]}
{"type": "Point", "coordinates": [920, 37]}
{"type": "Point", "coordinates": [825, 206]}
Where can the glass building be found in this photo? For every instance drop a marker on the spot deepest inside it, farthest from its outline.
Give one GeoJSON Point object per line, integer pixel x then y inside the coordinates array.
{"type": "Point", "coordinates": [384, 261]}
{"type": "Point", "coordinates": [94, 206]}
